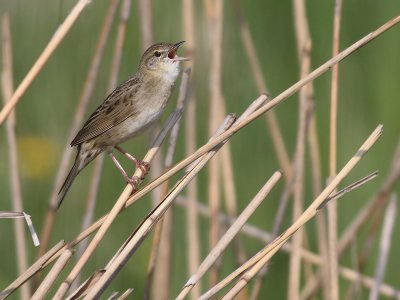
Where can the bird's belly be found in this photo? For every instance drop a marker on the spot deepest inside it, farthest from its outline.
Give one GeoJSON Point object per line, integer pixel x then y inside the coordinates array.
{"type": "Point", "coordinates": [132, 127]}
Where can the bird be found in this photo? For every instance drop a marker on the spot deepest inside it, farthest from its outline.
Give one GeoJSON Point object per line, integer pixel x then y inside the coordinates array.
{"type": "Point", "coordinates": [128, 111]}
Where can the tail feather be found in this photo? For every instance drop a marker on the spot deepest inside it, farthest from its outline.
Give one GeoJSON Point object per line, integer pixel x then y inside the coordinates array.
{"type": "Point", "coordinates": [69, 180]}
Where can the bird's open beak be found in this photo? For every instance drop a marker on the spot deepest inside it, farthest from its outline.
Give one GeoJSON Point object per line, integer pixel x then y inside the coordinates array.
{"type": "Point", "coordinates": [172, 53]}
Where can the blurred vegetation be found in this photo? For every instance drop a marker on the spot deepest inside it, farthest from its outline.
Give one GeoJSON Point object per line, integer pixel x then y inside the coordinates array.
{"type": "Point", "coordinates": [368, 94]}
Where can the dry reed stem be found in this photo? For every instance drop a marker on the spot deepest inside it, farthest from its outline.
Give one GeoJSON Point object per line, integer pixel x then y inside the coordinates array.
{"type": "Point", "coordinates": [214, 19]}
{"type": "Point", "coordinates": [236, 127]}
{"type": "Point", "coordinates": [98, 165]}
{"type": "Point", "coordinates": [192, 233]}
{"type": "Point", "coordinates": [254, 264]}
{"type": "Point", "coordinates": [163, 236]}
{"type": "Point", "coordinates": [332, 207]}
{"type": "Point", "coordinates": [48, 281]}
{"type": "Point", "coordinates": [118, 206]}
{"type": "Point", "coordinates": [125, 294]}
{"type": "Point", "coordinates": [36, 267]}
{"type": "Point", "coordinates": [304, 56]}
{"type": "Point", "coordinates": [369, 208]}
{"type": "Point", "coordinates": [384, 246]}
{"type": "Point", "coordinates": [272, 122]}
{"type": "Point", "coordinates": [228, 236]}
{"type": "Point", "coordinates": [144, 229]}
{"type": "Point", "coordinates": [7, 88]}
{"type": "Point", "coordinates": [146, 25]}
{"type": "Point", "coordinates": [80, 111]}
{"type": "Point", "coordinates": [56, 39]}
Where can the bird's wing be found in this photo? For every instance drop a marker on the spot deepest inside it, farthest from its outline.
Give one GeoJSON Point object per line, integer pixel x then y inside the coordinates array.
{"type": "Point", "coordinates": [114, 110]}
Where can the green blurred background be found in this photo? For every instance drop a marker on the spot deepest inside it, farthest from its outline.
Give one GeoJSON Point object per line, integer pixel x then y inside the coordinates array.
{"type": "Point", "coordinates": [369, 92]}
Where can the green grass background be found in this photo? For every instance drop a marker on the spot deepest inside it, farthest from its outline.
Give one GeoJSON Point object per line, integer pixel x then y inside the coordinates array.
{"type": "Point", "coordinates": [369, 89]}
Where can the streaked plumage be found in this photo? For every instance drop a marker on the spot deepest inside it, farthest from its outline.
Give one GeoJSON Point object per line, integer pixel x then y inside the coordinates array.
{"type": "Point", "coordinates": [131, 108]}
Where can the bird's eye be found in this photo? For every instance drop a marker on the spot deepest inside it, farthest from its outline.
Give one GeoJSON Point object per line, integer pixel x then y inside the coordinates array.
{"type": "Point", "coordinates": [157, 54]}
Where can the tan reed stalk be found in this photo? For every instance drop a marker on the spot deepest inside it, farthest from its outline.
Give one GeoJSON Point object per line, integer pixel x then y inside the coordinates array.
{"type": "Point", "coordinates": [98, 164]}
{"type": "Point", "coordinates": [36, 267]}
{"type": "Point", "coordinates": [384, 246]}
{"type": "Point", "coordinates": [363, 216]}
{"type": "Point", "coordinates": [144, 229]}
{"type": "Point", "coordinates": [272, 122]}
{"type": "Point", "coordinates": [332, 207]}
{"type": "Point", "coordinates": [161, 248]}
{"type": "Point", "coordinates": [118, 206]}
{"type": "Point", "coordinates": [236, 127]}
{"type": "Point", "coordinates": [7, 89]}
{"type": "Point", "coordinates": [48, 281]}
{"type": "Point", "coordinates": [125, 295]}
{"type": "Point", "coordinates": [76, 123]}
{"type": "Point", "coordinates": [214, 19]}
{"type": "Point", "coordinates": [321, 230]}
{"type": "Point", "coordinates": [56, 39]}
{"type": "Point", "coordinates": [304, 56]}
{"type": "Point", "coordinates": [228, 236]}
{"type": "Point", "coordinates": [146, 23]}
{"type": "Point", "coordinates": [192, 233]}
{"type": "Point", "coordinates": [253, 265]}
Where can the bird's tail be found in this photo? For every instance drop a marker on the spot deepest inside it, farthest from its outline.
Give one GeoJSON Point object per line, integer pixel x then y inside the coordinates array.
{"type": "Point", "coordinates": [76, 168]}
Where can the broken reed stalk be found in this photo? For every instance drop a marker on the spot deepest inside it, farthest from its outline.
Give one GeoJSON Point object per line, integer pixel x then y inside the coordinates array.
{"type": "Point", "coordinates": [118, 206]}
{"type": "Point", "coordinates": [155, 254]}
{"type": "Point", "coordinates": [79, 114]}
{"type": "Point", "coordinates": [230, 234]}
{"type": "Point", "coordinates": [253, 265]}
{"type": "Point", "coordinates": [56, 39]}
{"type": "Point", "coordinates": [15, 183]}
{"type": "Point", "coordinates": [304, 56]}
{"type": "Point", "coordinates": [98, 164]}
{"type": "Point", "coordinates": [332, 207]}
{"type": "Point", "coordinates": [135, 240]}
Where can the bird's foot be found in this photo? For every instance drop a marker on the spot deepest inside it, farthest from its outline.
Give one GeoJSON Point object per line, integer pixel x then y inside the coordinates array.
{"type": "Point", "coordinates": [133, 181]}
{"type": "Point", "coordinates": [143, 166]}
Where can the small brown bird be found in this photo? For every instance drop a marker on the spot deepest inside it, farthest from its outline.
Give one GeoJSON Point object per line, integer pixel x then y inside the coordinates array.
{"type": "Point", "coordinates": [130, 109]}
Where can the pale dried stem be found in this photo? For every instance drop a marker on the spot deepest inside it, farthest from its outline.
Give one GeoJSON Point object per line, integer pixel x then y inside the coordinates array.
{"type": "Point", "coordinates": [193, 239]}
{"type": "Point", "coordinates": [56, 39]}
{"type": "Point", "coordinates": [125, 295]}
{"type": "Point", "coordinates": [7, 88]}
{"type": "Point", "coordinates": [48, 281]}
{"type": "Point", "coordinates": [216, 113]}
{"type": "Point", "coordinates": [304, 51]}
{"type": "Point", "coordinates": [76, 123]}
{"type": "Point", "coordinates": [36, 267]}
{"type": "Point", "coordinates": [272, 122]}
{"type": "Point", "coordinates": [160, 255]}
{"type": "Point", "coordinates": [98, 165]}
{"type": "Point", "coordinates": [144, 229]}
{"type": "Point", "coordinates": [384, 246]}
{"type": "Point", "coordinates": [254, 264]}
{"type": "Point", "coordinates": [332, 207]}
{"type": "Point", "coordinates": [228, 236]}
{"type": "Point", "coordinates": [118, 206]}
{"type": "Point", "coordinates": [146, 25]}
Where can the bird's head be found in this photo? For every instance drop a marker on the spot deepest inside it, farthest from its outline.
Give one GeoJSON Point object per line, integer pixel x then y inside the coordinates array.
{"type": "Point", "coordinates": [162, 59]}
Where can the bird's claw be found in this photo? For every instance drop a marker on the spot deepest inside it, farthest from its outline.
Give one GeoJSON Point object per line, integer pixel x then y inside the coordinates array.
{"type": "Point", "coordinates": [144, 167]}
{"type": "Point", "coordinates": [133, 181]}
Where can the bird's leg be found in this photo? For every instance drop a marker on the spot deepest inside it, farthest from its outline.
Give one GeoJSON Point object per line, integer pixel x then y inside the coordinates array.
{"type": "Point", "coordinates": [142, 165]}
{"type": "Point", "coordinates": [131, 180]}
